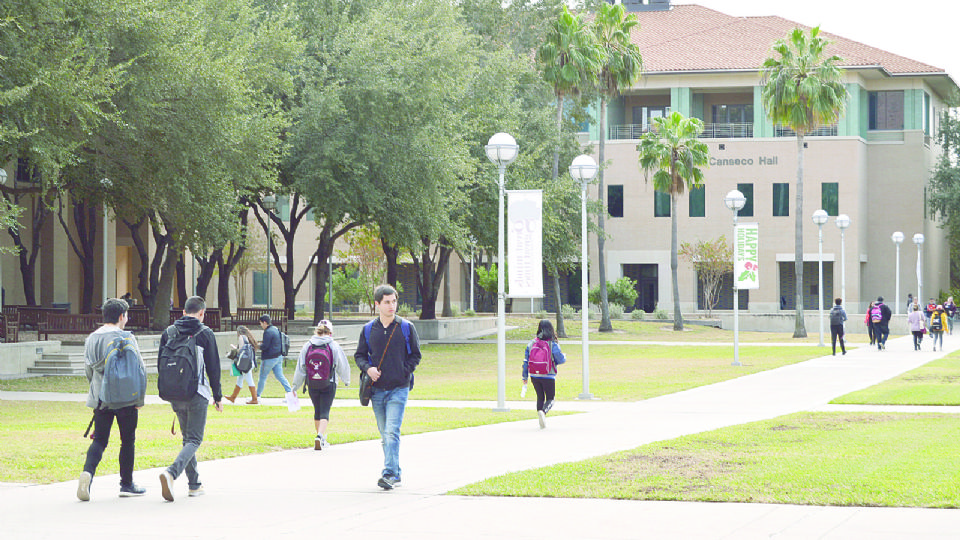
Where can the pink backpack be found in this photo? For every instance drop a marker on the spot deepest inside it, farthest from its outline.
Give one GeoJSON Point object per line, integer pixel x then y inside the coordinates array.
{"type": "Point", "coordinates": [541, 358]}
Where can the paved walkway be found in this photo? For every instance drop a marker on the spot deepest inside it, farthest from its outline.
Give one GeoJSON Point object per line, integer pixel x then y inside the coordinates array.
{"type": "Point", "coordinates": [302, 493]}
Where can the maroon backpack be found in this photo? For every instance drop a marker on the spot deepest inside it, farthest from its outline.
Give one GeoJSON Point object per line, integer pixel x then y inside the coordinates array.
{"type": "Point", "coordinates": [319, 366]}
{"type": "Point", "coordinates": [540, 361]}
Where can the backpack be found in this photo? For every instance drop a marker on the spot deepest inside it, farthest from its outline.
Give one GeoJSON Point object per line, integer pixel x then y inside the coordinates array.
{"type": "Point", "coordinates": [875, 314]}
{"type": "Point", "coordinates": [284, 344]}
{"type": "Point", "coordinates": [540, 361]}
{"type": "Point", "coordinates": [177, 365]}
{"type": "Point", "coordinates": [836, 316]}
{"type": "Point", "coordinates": [318, 363]}
{"type": "Point", "coordinates": [246, 358]}
{"type": "Point", "coordinates": [124, 379]}
{"type": "Point", "coordinates": [936, 323]}
{"type": "Point", "coordinates": [404, 327]}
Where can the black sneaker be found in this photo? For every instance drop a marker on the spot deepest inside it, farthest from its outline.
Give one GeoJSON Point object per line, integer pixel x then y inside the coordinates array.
{"type": "Point", "coordinates": [132, 490]}
{"type": "Point", "coordinates": [387, 482]}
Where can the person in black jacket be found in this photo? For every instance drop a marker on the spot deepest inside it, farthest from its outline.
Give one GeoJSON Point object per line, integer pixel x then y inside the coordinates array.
{"type": "Point", "coordinates": [271, 359]}
{"type": "Point", "coordinates": [882, 331]}
{"type": "Point", "coordinates": [192, 414]}
{"type": "Point", "coordinates": [389, 359]}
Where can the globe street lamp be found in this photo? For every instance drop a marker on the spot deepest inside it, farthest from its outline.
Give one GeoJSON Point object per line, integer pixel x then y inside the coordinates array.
{"type": "Point", "coordinates": [820, 217]}
{"type": "Point", "coordinates": [897, 238]}
{"type": "Point", "coordinates": [584, 169]}
{"type": "Point", "coordinates": [843, 221]}
{"type": "Point", "coordinates": [269, 203]}
{"type": "Point", "coordinates": [735, 201]}
{"type": "Point", "coordinates": [918, 240]}
{"type": "Point", "coordinates": [501, 149]}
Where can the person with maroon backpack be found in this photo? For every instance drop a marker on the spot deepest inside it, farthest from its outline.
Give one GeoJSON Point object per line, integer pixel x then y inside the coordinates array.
{"type": "Point", "coordinates": [320, 366]}
{"type": "Point", "coordinates": [540, 362]}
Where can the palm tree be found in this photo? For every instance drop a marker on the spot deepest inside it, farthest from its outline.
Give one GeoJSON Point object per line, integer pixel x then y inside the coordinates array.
{"type": "Point", "coordinates": [674, 152]}
{"type": "Point", "coordinates": [802, 89]}
{"type": "Point", "coordinates": [621, 67]}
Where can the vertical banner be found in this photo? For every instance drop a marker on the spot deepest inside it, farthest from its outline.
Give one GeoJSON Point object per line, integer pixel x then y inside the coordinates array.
{"type": "Point", "coordinates": [525, 243]}
{"type": "Point", "coordinates": [746, 256]}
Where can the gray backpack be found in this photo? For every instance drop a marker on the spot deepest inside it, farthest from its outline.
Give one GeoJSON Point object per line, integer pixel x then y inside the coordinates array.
{"type": "Point", "coordinates": [836, 315]}
{"type": "Point", "coordinates": [124, 380]}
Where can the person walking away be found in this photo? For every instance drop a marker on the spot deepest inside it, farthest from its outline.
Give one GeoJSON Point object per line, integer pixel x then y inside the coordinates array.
{"type": "Point", "coordinates": [271, 357]}
{"type": "Point", "coordinates": [950, 307]}
{"type": "Point", "coordinates": [938, 323]}
{"type": "Point", "coordinates": [876, 318]}
{"type": "Point", "coordinates": [322, 364]}
{"type": "Point", "coordinates": [188, 343]}
{"type": "Point", "coordinates": [96, 349]}
{"type": "Point", "coordinates": [540, 361]}
{"type": "Point", "coordinates": [885, 316]}
{"type": "Point", "coordinates": [389, 357]}
{"type": "Point", "coordinates": [929, 309]}
{"type": "Point", "coordinates": [837, 317]}
{"type": "Point", "coordinates": [915, 321]}
{"type": "Point", "coordinates": [869, 324]}
{"type": "Point", "coordinates": [247, 345]}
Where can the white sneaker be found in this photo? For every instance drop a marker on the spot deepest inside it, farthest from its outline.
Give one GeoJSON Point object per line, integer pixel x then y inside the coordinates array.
{"type": "Point", "coordinates": [196, 492]}
{"type": "Point", "coordinates": [83, 489]}
{"type": "Point", "coordinates": [543, 419]}
{"type": "Point", "coordinates": [166, 485]}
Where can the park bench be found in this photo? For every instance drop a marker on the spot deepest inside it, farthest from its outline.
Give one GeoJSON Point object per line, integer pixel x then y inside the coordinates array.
{"type": "Point", "coordinates": [211, 317]}
{"type": "Point", "coordinates": [68, 323]}
{"type": "Point", "coordinates": [32, 316]}
{"type": "Point", "coordinates": [250, 317]}
{"type": "Point", "coordinates": [10, 327]}
{"type": "Point", "coordinates": [138, 317]}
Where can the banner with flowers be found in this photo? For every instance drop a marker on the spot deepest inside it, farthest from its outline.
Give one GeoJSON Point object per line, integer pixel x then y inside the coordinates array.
{"type": "Point", "coordinates": [746, 258]}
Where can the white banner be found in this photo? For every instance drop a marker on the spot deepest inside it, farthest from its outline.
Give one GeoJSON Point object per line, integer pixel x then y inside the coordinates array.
{"type": "Point", "coordinates": [525, 243]}
{"type": "Point", "coordinates": [746, 256]}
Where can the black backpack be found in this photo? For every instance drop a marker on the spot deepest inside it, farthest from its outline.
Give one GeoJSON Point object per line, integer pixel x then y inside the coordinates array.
{"type": "Point", "coordinates": [178, 378]}
{"type": "Point", "coordinates": [936, 324]}
{"type": "Point", "coordinates": [836, 316]}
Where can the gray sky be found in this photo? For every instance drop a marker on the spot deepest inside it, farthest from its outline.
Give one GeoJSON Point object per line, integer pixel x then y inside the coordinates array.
{"type": "Point", "coordinates": [923, 30]}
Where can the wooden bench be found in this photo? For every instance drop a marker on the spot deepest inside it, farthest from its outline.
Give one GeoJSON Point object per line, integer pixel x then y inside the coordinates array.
{"type": "Point", "coordinates": [10, 327]}
{"type": "Point", "coordinates": [138, 317]}
{"type": "Point", "coordinates": [211, 317]}
{"type": "Point", "coordinates": [32, 316]}
{"type": "Point", "coordinates": [251, 317]}
{"type": "Point", "coordinates": [68, 323]}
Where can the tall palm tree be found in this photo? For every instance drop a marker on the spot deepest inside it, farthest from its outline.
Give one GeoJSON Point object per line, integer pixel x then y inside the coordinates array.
{"type": "Point", "coordinates": [621, 67]}
{"type": "Point", "coordinates": [802, 89]}
{"type": "Point", "coordinates": [674, 153]}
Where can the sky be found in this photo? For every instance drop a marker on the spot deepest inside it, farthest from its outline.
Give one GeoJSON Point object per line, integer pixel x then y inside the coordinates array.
{"type": "Point", "coordinates": [922, 30]}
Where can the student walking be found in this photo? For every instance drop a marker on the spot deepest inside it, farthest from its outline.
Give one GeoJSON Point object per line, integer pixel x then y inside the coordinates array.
{"type": "Point", "coordinates": [246, 345]}
{"type": "Point", "coordinates": [950, 307]}
{"type": "Point", "coordinates": [837, 317]}
{"type": "Point", "coordinates": [540, 361]}
{"type": "Point", "coordinates": [869, 323]}
{"type": "Point", "coordinates": [915, 321]}
{"type": "Point", "coordinates": [880, 317]}
{"type": "Point", "coordinates": [271, 360]}
{"type": "Point", "coordinates": [938, 323]}
{"type": "Point", "coordinates": [321, 365]}
{"type": "Point", "coordinates": [96, 349]}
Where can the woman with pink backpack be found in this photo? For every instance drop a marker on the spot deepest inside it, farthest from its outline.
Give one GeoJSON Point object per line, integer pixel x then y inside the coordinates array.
{"type": "Point", "coordinates": [540, 362]}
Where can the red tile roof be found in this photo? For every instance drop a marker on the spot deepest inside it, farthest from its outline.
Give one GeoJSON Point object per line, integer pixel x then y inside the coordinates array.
{"type": "Point", "coordinates": [696, 38]}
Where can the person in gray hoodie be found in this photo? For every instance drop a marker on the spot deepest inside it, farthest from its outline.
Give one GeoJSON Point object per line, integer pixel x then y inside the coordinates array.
{"type": "Point", "coordinates": [322, 392]}
{"type": "Point", "coordinates": [95, 352]}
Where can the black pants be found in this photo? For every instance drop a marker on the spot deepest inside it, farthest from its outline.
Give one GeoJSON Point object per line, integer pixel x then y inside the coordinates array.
{"type": "Point", "coordinates": [545, 390]}
{"type": "Point", "coordinates": [102, 425]}
{"type": "Point", "coordinates": [873, 338]}
{"type": "Point", "coordinates": [836, 330]}
{"type": "Point", "coordinates": [322, 399]}
{"type": "Point", "coordinates": [917, 338]}
{"type": "Point", "coordinates": [880, 333]}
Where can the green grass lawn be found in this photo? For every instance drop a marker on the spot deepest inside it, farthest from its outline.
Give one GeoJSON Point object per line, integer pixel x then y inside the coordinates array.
{"type": "Point", "coordinates": [936, 383]}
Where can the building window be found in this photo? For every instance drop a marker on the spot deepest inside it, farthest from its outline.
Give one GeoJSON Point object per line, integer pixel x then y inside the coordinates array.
{"type": "Point", "coordinates": [661, 204]}
{"type": "Point", "coordinates": [781, 199]}
{"type": "Point", "coordinates": [747, 190]}
{"type": "Point", "coordinates": [283, 207]}
{"type": "Point", "coordinates": [698, 202]}
{"type": "Point", "coordinates": [886, 110]}
{"type": "Point", "coordinates": [830, 197]}
{"type": "Point", "coordinates": [643, 116]}
{"type": "Point", "coordinates": [261, 282]}
{"type": "Point", "coordinates": [733, 114]}
{"type": "Point", "coordinates": [926, 114]}
{"type": "Point", "coordinates": [615, 201]}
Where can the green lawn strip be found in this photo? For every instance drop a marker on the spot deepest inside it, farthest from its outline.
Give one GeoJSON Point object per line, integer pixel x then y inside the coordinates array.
{"type": "Point", "coordinates": [469, 372]}
{"type": "Point", "coordinates": [834, 459]}
{"type": "Point", "coordinates": [936, 383]}
{"type": "Point", "coordinates": [43, 441]}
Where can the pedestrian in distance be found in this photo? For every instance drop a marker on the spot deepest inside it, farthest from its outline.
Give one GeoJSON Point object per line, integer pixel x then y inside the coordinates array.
{"type": "Point", "coordinates": [915, 321]}
{"type": "Point", "coordinates": [388, 352]}
{"type": "Point", "coordinates": [110, 341]}
{"type": "Point", "coordinates": [246, 344]}
{"type": "Point", "coordinates": [938, 323]}
{"type": "Point", "coordinates": [540, 361]}
{"type": "Point", "coordinates": [321, 365]}
{"type": "Point", "coordinates": [837, 317]}
{"type": "Point", "coordinates": [880, 318]}
{"type": "Point", "coordinates": [271, 356]}
{"type": "Point", "coordinates": [929, 309]}
{"type": "Point", "coordinates": [869, 323]}
{"type": "Point", "coordinates": [189, 378]}
{"type": "Point", "coordinates": [909, 304]}
{"type": "Point", "coordinates": [950, 307]}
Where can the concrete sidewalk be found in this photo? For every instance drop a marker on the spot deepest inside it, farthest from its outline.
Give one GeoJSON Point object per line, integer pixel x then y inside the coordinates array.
{"type": "Point", "coordinates": [301, 493]}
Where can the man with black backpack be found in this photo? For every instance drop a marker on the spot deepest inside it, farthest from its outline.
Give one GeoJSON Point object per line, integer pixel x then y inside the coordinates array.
{"type": "Point", "coordinates": [189, 378]}
{"type": "Point", "coordinates": [113, 363]}
{"type": "Point", "coordinates": [271, 356]}
{"type": "Point", "coordinates": [880, 318]}
{"type": "Point", "coordinates": [837, 317]}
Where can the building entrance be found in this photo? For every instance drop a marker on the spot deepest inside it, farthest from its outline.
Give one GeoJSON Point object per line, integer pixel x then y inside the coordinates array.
{"type": "Point", "coordinates": [647, 286]}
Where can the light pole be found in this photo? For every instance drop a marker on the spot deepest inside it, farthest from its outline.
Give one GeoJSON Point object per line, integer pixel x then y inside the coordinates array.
{"type": "Point", "coordinates": [584, 169]}
{"type": "Point", "coordinates": [735, 201]}
{"type": "Point", "coordinates": [3, 180]}
{"type": "Point", "coordinates": [918, 240]}
{"type": "Point", "coordinates": [473, 244]}
{"type": "Point", "coordinates": [897, 238]}
{"type": "Point", "coordinates": [107, 184]}
{"type": "Point", "coordinates": [843, 221]}
{"type": "Point", "coordinates": [501, 149]}
{"type": "Point", "coordinates": [269, 204]}
{"type": "Point", "coordinates": [820, 217]}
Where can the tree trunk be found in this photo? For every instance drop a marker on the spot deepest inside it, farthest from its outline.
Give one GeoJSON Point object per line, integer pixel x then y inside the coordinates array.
{"type": "Point", "coordinates": [181, 270]}
{"type": "Point", "coordinates": [561, 329]}
{"type": "Point", "coordinates": [677, 316]}
{"type": "Point", "coordinates": [605, 325]}
{"type": "Point", "coordinates": [28, 257]}
{"type": "Point", "coordinates": [800, 329]}
{"type": "Point", "coordinates": [392, 253]}
{"type": "Point", "coordinates": [430, 274]}
{"type": "Point", "coordinates": [207, 267]}
{"type": "Point", "coordinates": [556, 149]}
{"type": "Point", "coordinates": [160, 312]}
{"type": "Point", "coordinates": [85, 222]}
{"type": "Point", "coordinates": [447, 307]}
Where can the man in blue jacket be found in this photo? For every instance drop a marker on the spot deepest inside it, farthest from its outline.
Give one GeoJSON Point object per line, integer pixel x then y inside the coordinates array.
{"type": "Point", "coordinates": [271, 359]}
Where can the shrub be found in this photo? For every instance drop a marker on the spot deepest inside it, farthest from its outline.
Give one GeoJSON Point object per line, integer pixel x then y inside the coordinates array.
{"type": "Point", "coordinates": [405, 310]}
{"type": "Point", "coordinates": [567, 311]}
{"type": "Point", "coordinates": [542, 314]}
{"type": "Point", "coordinates": [470, 313]}
{"type": "Point", "coordinates": [660, 313]}
{"type": "Point", "coordinates": [616, 311]}
{"type": "Point", "coordinates": [637, 314]}
{"type": "Point", "coordinates": [623, 292]}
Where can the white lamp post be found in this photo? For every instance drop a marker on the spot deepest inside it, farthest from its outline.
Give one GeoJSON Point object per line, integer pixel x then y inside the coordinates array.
{"type": "Point", "coordinates": [269, 204]}
{"type": "Point", "coordinates": [473, 245]}
{"type": "Point", "coordinates": [584, 169]}
{"type": "Point", "coordinates": [820, 217]}
{"type": "Point", "coordinates": [918, 240]}
{"type": "Point", "coordinates": [897, 238]}
{"type": "Point", "coordinates": [501, 149]}
{"type": "Point", "coordinates": [107, 184]}
{"type": "Point", "coordinates": [735, 201]}
{"type": "Point", "coordinates": [3, 180]}
{"type": "Point", "coordinates": [843, 221]}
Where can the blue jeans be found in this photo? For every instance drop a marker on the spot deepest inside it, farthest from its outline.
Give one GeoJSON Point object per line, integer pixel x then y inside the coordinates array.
{"type": "Point", "coordinates": [388, 407]}
{"type": "Point", "coordinates": [193, 418]}
{"type": "Point", "coordinates": [276, 366]}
